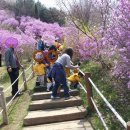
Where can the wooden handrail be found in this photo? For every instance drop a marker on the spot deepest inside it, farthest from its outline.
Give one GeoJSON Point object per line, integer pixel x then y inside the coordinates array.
{"type": "Point", "coordinates": [3, 105]}
{"type": "Point", "coordinates": [91, 104]}
{"type": "Point", "coordinates": [108, 104]}
{"type": "Point", "coordinates": [99, 114]}
{"type": "Point", "coordinates": [89, 91]}
{"type": "Point", "coordinates": [2, 94]}
{"type": "Point", "coordinates": [13, 83]}
{"type": "Point", "coordinates": [89, 85]}
{"type": "Point", "coordinates": [128, 125]}
{"type": "Point", "coordinates": [24, 79]}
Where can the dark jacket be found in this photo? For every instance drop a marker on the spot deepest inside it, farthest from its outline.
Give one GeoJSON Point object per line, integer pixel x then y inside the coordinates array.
{"type": "Point", "coordinates": [11, 59]}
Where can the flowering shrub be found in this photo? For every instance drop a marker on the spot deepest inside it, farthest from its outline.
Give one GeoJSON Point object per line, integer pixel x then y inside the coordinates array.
{"type": "Point", "coordinates": [118, 35]}
{"type": "Point", "coordinates": [12, 22]}
{"type": "Point", "coordinates": [110, 42]}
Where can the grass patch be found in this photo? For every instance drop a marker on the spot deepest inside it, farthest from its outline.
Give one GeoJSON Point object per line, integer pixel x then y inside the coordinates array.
{"type": "Point", "coordinates": [3, 75]}
{"type": "Point", "coordinates": [19, 108]}
{"type": "Point", "coordinates": [106, 86]}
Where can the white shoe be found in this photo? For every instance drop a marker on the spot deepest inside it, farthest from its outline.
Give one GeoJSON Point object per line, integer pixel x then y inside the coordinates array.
{"type": "Point", "coordinates": [70, 90]}
{"type": "Point", "coordinates": [48, 90]}
{"type": "Point", "coordinates": [52, 97]}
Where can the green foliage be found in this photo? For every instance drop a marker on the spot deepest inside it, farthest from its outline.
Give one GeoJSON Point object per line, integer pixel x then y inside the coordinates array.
{"type": "Point", "coordinates": [3, 75]}
{"type": "Point", "coordinates": [38, 7]}
{"type": "Point", "coordinates": [52, 15]}
{"type": "Point", "coordinates": [106, 86]}
{"type": "Point", "coordinates": [39, 11]}
{"type": "Point", "coordinates": [25, 7]}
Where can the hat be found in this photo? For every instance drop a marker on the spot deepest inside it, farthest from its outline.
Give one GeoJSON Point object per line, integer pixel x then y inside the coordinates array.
{"type": "Point", "coordinates": [11, 42]}
{"type": "Point", "coordinates": [39, 56]}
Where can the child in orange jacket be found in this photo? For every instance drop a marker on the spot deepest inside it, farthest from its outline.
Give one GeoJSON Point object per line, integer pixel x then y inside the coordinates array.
{"type": "Point", "coordinates": [39, 70]}
{"type": "Point", "coordinates": [74, 79]}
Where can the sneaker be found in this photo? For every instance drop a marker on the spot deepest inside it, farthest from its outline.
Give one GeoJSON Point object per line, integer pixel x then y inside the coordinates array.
{"type": "Point", "coordinates": [48, 90]}
{"type": "Point", "coordinates": [52, 97]}
{"type": "Point", "coordinates": [70, 90]}
{"type": "Point", "coordinates": [37, 84]}
{"type": "Point", "coordinates": [78, 87]}
{"type": "Point", "coordinates": [67, 98]}
{"type": "Point", "coordinates": [18, 94]}
{"type": "Point", "coordinates": [41, 85]}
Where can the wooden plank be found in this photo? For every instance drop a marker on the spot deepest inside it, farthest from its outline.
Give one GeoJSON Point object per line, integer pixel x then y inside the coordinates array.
{"type": "Point", "coordinates": [46, 95]}
{"type": "Point", "coordinates": [54, 115]}
{"type": "Point", "coordinates": [68, 125]}
{"type": "Point", "coordinates": [51, 104]}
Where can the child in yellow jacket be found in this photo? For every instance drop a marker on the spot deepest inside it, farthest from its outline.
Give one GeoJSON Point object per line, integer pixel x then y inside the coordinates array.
{"type": "Point", "coordinates": [39, 70]}
{"type": "Point", "coordinates": [74, 79]}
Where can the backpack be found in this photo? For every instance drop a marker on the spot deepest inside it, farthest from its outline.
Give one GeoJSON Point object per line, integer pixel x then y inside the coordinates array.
{"type": "Point", "coordinates": [41, 45]}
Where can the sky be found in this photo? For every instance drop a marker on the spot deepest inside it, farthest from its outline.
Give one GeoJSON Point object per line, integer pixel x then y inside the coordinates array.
{"type": "Point", "coordinates": [49, 3]}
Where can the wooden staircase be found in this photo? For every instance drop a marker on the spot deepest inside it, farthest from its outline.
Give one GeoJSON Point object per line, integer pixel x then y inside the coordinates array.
{"type": "Point", "coordinates": [59, 114]}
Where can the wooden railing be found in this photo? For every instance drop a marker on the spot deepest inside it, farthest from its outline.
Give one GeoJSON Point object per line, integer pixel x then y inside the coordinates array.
{"type": "Point", "coordinates": [92, 105]}
{"type": "Point", "coordinates": [3, 103]}
{"type": "Point", "coordinates": [88, 90]}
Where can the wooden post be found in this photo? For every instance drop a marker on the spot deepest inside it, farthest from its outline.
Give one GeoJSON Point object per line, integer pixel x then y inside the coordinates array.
{"type": "Point", "coordinates": [128, 125]}
{"type": "Point", "coordinates": [24, 80]}
{"type": "Point", "coordinates": [89, 91]}
{"type": "Point", "coordinates": [3, 105]}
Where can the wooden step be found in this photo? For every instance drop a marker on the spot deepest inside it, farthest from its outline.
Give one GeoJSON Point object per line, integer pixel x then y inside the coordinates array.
{"type": "Point", "coordinates": [54, 115]}
{"type": "Point", "coordinates": [69, 125]}
{"type": "Point", "coordinates": [39, 89]}
{"type": "Point", "coordinates": [46, 95]}
{"type": "Point", "coordinates": [59, 103]}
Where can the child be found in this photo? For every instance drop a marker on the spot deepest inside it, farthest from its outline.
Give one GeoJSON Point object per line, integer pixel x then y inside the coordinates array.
{"type": "Point", "coordinates": [57, 44]}
{"type": "Point", "coordinates": [67, 71]}
{"type": "Point", "coordinates": [75, 79]}
{"type": "Point", "coordinates": [39, 69]}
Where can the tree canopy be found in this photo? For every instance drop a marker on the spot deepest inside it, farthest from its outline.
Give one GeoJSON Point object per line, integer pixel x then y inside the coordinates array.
{"type": "Point", "coordinates": [37, 10]}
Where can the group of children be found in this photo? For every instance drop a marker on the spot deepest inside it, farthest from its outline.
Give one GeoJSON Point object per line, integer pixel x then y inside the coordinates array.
{"type": "Point", "coordinates": [42, 67]}
{"type": "Point", "coordinates": [53, 73]}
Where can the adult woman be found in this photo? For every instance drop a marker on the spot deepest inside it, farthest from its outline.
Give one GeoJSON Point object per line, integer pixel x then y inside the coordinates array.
{"type": "Point", "coordinates": [58, 75]}
{"type": "Point", "coordinates": [13, 67]}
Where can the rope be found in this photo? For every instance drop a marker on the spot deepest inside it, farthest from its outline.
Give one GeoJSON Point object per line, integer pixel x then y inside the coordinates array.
{"type": "Point", "coordinates": [29, 76]}
{"type": "Point", "coordinates": [109, 105]}
{"type": "Point", "coordinates": [82, 72]}
{"type": "Point", "coordinates": [17, 92]}
{"type": "Point", "coordinates": [28, 68]}
{"type": "Point", "coordinates": [83, 87]}
{"type": "Point", "coordinates": [17, 79]}
{"type": "Point", "coordinates": [99, 114]}
{"type": "Point", "coordinates": [13, 83]}
{"type": "Point", "coordinates": [1, 112]}
{"type": "Point", "coordinates": [15, 95]}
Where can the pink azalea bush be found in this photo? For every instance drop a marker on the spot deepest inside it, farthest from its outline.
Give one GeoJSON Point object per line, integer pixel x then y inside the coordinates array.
{"type": "Point", "coordinates": [118, 36]}
{"type": "Point", "coordinates": [111, 42]}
